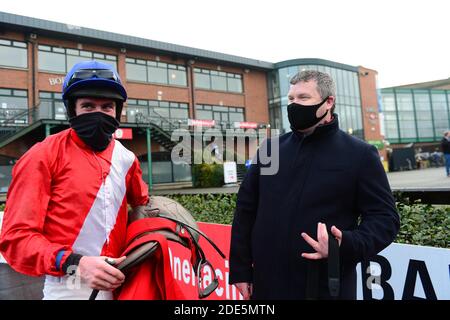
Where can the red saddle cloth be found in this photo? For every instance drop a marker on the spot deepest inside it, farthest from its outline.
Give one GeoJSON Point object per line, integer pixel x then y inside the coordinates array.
{"type": "Point", "coordinates": [152, 279]}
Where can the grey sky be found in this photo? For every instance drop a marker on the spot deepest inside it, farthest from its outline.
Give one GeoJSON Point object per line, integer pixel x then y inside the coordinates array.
{"type": "Point", "coordinates": [405, 41]}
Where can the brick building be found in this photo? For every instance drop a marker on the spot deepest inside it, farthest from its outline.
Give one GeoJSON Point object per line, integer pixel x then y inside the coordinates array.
{"type": "Point", "coordinates": [168, 87]}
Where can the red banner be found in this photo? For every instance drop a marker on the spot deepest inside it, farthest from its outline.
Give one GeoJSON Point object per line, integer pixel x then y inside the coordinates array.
{"type": "Point", "coordinates": [201, 123]}
{"type": "Point", "coordinates": [185, 275]}
{"type": "Point", "coordinates": [246, 125]}
{"type": "Point", "coordinates": [123, 133]}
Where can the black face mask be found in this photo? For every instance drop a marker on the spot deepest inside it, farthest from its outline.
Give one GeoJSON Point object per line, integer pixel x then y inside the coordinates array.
{"type": "Point", "coordinates": [302, 117]}
{"type": "Point", "coordinates": [95, 129]}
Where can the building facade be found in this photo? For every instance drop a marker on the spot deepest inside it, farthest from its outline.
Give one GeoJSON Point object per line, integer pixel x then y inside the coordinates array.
{"type": "Point", "coordinates": [356, 97]}
{"type": "Point", "coordinates": [168, 87]}
{"type": "Point", "coordinates": [417, 113]}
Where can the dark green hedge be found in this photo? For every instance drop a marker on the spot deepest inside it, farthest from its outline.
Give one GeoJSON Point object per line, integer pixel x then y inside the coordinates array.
{"type": "Point", "coordinates": [216, 208]}
{"type": "Point", "coordinates": [420, 224]}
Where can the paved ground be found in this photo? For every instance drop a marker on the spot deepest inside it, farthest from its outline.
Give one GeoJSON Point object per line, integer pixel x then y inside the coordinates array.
{"type": "Point", "coordinates": [414, 179]}
{"type": "Point", "coordinates": [424, 178]}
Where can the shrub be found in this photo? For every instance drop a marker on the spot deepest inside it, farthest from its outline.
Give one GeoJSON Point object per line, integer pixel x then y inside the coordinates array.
{"type": "Point", "coordinates": [207, 175]}
{"type": "Point", "coordinates": [424, 224]}
{"type": "Point", "coordinates": [214, 208]}
{"type": "Point", "coordinates": [421, 224]}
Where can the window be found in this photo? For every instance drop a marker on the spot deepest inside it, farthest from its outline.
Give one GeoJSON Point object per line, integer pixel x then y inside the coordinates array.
{"type": "Point", "coordinates": [51, 106]}
{"type": "Point", "coordinates": [406, 115]}
{"type": "Point", "coordinates": [61, 60]}
{"type": "Point", "coordinates": [144, 111]}
{"type": "Point", "coordinates": [136, 71]}
{"type": "Point", "coordinates": [13, 106]}
{"type": "Point", "coordinates": [177, 75]}
{"type": "Point", "coordinates": [440, 113]}
{"type": "Point", "coordinates": [202, 79]}
{"type": "Point", "coordinates": [219, 113]}
{"type": "Point", "coordinates": [423, 113]}
{"type": "Point", "coordinates": [155, 72]}
{"type": "Point", "coordinates": [218, 80]}
{"type": "Point", "coordinates": [13, 54]}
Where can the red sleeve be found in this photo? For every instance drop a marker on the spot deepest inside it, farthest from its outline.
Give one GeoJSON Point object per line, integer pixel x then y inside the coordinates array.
{"type": "Point", "coordinates": [137, 192]}
{"type": "Point", "coordinates": [22, 242]}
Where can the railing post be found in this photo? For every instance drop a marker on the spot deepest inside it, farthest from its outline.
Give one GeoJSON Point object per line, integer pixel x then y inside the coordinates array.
{"type": "Point", "coordinates": [47, 130]}
{"type": "Point", "coordinates": [149, 159]}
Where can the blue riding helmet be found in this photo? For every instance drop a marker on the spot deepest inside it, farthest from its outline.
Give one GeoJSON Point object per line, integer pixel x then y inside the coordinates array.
{"type": "Point", "coordinates": [92, 79]}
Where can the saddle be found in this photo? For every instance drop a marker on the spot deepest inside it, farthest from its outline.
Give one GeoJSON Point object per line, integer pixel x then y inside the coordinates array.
{"type": "Point", "coordinates": [166, 217]}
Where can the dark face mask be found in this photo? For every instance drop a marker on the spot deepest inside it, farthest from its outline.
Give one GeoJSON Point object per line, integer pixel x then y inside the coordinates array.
{"type": "Point", "coordinates": [95, 129]}
{"type": "Point", "coordinates": [302, 117]}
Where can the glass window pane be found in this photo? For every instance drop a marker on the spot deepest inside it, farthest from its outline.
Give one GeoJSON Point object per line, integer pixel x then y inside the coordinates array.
{"type": "Point", "coordinates": [439, 112]}
{"type": "Point", "coordinates": [13, 57]}
{"type": "Point", "coordinates": [162, 171]}
{"type": "Point", "coordinates": [204, 115]}
{"type": "Point", "coordinates": [236, 116]}
{"type": "Point", "coordinates": [44, 48]}
{"type": "Point", "coordinates": [234, 85]}
{"type": "Point", "coordinates": [182, 172]}
{"type": "Point", "coordinates": [20, 93]}
{"type": "Point", "coordinates": [19, 44]}
{"type": "Point", "coordinates": [202, 81]}
{"type": "Point", "coordinates": [218, 108]}
{"type": "Point", "coordinates": [11, 102]}
{"type": "Point", "coordinates": [59, 50]}
{"type": "Point", "coordinates": [136, 72]}
{"type": "Point", "coordinates": [73, 52]}
{"type": "Point", "coordinates": [177, 77]}
{"type": "Point", "coordinates": [178, 113]}
{"type": "Point", "coordinates": [45, 95]}
{"type": "Point", "coordinates": [50, 61]}
{"type": "Point", "coordinates": [60, 110]}
{"type": "Point", "coordinates": [162, 112]}
{"type": "Point", "coordinates": [219, 83]}
{"type": "Point", "coordinates": [157, 75]}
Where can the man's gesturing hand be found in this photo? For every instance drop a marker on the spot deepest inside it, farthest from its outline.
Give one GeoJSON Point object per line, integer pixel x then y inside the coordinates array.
{"type": "Point", "coordinates": [245, 288]}
{"type": "Point", "coordinates": [321, 246]}
{"type": "Point", "coordinates": [99, 274]}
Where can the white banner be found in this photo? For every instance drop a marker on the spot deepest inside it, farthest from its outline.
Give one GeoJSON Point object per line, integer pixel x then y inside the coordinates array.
{"type": "Point", "coordinates": [404, 272]}
{"type": "Point", "coordinates": [229, 172]}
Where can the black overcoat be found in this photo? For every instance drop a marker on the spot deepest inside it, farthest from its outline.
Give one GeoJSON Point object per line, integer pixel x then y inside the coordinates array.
{"type": "Point", "coordinates": [328, 176]}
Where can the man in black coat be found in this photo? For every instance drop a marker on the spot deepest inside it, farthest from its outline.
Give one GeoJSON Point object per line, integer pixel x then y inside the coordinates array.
{"type": "Point", "coordinates": [326, 181]}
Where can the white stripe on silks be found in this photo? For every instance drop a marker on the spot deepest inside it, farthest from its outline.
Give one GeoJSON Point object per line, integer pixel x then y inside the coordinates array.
{"type": "Point", "coordinates": [102, 216]}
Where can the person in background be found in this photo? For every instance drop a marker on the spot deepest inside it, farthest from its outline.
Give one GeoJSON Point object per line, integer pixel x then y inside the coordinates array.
{"type": "Point", "coordinates": [445, 145]}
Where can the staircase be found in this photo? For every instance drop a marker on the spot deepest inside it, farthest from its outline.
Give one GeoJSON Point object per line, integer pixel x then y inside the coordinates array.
{"type": "Point", "coordinates": [161, 128]}
{"type": "Point", "coordinates": [20, 122]}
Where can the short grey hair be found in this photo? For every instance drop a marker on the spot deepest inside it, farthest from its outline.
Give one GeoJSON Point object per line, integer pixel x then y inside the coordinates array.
{"type": "Point", "coordinates": [325, 84]}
